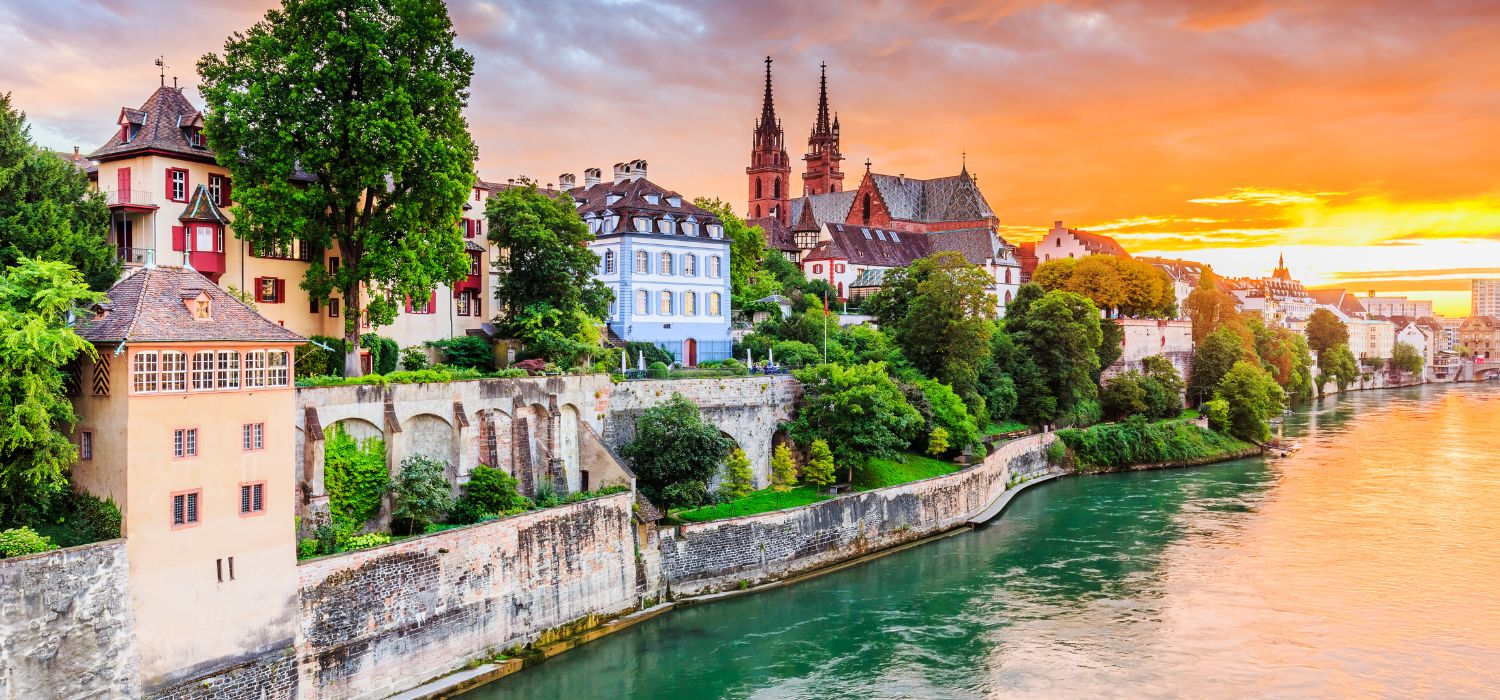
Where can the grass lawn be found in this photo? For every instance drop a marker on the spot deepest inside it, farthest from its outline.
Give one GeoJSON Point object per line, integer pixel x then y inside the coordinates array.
{"type": "Point", "coordinates": [1009, 426]}
{"type": "Point", "coordinates": [889, 472]}
{"type": "Point", "coordinates": [762, 501]}
{"type": "Point", "coordinates": [1190, 414]}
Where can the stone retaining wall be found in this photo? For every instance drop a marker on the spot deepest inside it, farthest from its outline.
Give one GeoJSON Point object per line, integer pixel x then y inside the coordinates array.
{"type": "Point", "coordinates": [719, 555]}
{"type": "Point", "coordinates": [378, 621]}
{"type": "Point", "coordinates": [66, 625]}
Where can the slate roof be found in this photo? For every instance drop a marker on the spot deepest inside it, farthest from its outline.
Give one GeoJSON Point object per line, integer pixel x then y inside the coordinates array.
{"type": "Point", "coordinates": [201, 207]}
{"type": "Point", "coordinates": [978, 245]}
{"type": "Point", "coordinates": [148, 306]}
{"type": "Point", "coordinates": [778, 236]}
{"type": "Point", "coordinates": [866, 245]}
{"type": "Point", "coordinates": [953, 198]}
{"type": "Point", "coordinates": [830, 207]}
{"type": "Point", "coordinates": [160, 119]}
{"type": "Point", "coordinates": [645, 510]}
{"type": "Point", "coordinates": [1099, 244]}
{"type": "Point", "coordinates": [1338, 298]}
{"type": "Point", "coordinates": [633, 197]}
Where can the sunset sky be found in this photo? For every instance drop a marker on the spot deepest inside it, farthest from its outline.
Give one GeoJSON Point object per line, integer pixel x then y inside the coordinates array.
{"type": "Point", "coordinates": [1361, 138]}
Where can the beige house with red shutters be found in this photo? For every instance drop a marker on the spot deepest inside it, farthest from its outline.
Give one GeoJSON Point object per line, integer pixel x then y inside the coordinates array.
{"type": "Point", "coordinates": [169, 203]}
{"type": "Point", "coordinates": [186, 421]}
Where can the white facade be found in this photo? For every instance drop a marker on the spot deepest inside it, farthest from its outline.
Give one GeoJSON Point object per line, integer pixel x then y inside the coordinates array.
{"type": "Point", "coordinates": [1370, 338]}
{"type": "Point", "coordinates": [1388, 307]}
{"type": "Point", "coordinates": [1486, 298]}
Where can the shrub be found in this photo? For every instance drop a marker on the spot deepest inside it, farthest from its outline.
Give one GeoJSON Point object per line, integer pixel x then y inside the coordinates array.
{"type": "Point", "coordinates": [820, 467]}
{"type": "Point", "coordinates": [374, 539]}
{"type": "Point", "coordinates": [635, 348]}
{"type": "Point", "coordinates": [510, 373]}
{"type": "Point", "coordinates": [314, 361]}
{"type": "Point", "coordinates": [384, 352]}
{"type": "Point", "coordinates": [421, 493]}
{"type": "Point", "coordinates": [1085, 412]}
{"type": "Point", "coordinates": [796, 354]}
{"type": "Point", "coordinates": [937, 441]}
{"type": "Point", "coordinates": [1254, 397]}
{"type": "Point", "coordinates": [546, 495]}
{"type": "Point", "coordinates": [1124, 395]}
{"type": "Point", "coordinates": [471, 351]}
{"type": "Point", "coordinates": [327, 538]}
{"type": "Point", "coordinates": [488, 492]}
{"type": "Point", "coordinates": [1057, 453]}
{"type": "Point", "coordinates": [413, 357]}
{"type": "Point", "coordinates": [675, 453]}
{"type": "Point", "coordinates": [1136, 441]}
{"type": "Point", "coordinates": [18, 542]}
{"type": "Point", "coordinates": [306, 548]}
{"type": "Point", "coordinates": [1217, 411]}
{"type": "Point", "coordinates": [356, 477]}
{"type": "Point", "coordinates": [657, 370]}
{"type": "Point", "coordinates": [99, 517]}
{"type": "Point", "coordinates": [531, 367]}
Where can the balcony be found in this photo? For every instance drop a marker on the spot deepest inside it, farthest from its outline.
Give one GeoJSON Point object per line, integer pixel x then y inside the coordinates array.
{"type": "Point", "coordinates": [130, 199]}
{"type": "Point", "coordinates": [134, 256]}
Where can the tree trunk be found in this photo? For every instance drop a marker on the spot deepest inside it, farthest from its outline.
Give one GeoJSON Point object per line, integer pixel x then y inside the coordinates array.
{"type": "Point", "coordinates": [352, 312]}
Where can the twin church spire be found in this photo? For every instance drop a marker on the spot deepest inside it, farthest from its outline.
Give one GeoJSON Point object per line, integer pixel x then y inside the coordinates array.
{"type": "Point", "coordinates": [770, 169]}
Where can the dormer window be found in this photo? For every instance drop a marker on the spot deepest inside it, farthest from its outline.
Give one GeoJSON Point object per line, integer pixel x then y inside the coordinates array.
{"type": "Point", "coordinates": [611, 198]}
{"type": "Point", "coordinates": [674, 201]}
{"type": "Point", "coordinates": [202, 310]}
{"type": "Point", "coordinates": [643, 224]}
{"type": "Point", "coordinates": [195, 138]}
{"type": "Point", "coordinates": [665, 225]}
{"type": "Point", "coordinates": [690, 226]}
{"type": "Point", "coordinates": [715, 231]}
{"type": "Point", "coordinates": [653, 199]}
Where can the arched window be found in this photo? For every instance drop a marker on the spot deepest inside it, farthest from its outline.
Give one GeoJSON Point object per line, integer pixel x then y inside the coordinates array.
{"type": "Point", "coordinates": [666, 264]}
{"type": "Point", "coordinates": [664, 305]}
{"type": "Point", "coordinates": [609, 261]}
{"type": "Point", "coordinates": [757, 211]}
{"type": "Point", "coordinates": [642, 301]}
{"type": "Point", "coordinates": [642, 262]}
{"type": "Point", "coordinates": [865, 208]}
{"type": "Point", "coordinates": [689, 304]}
{"type": "Point", "coordinates": [690, 265]}
{"type": "Point", "coordinates": [1007, 297]}
{"type": "Point", "coordinates": [776, 189]}
{"type": "Point", "coordinates": [713, 303]}
{"type": "Point", "coordinates": [757, 188]}
{"type": "Point", "coordinates": [1007, 280]}
{"type": "Point", "coordinates": [841, 289]}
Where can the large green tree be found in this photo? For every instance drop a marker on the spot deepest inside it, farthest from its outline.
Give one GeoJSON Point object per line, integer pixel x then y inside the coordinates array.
{"type": "Point", "coordinates": [1406, 358]}
{"type": "Point", "coordinates": [548, 292]}
{"type": "Point", "coordinates": [1212, 359]}
{"type": "Point", "coordinates": [48, 210]}
{"type": "Point", "coordinates": [36, 344]}
{"type": "Point", "coordinates": [859, 410]}
{"type": "Point", "coordinates": [1059, 332]}
{"type": "Point", "coordinates": [1325, 330]}
{"type": "Point", "coordinates": [1118, 285]}
{"type": "Point", "coordinates": [1338, 365]}
{"type": "Point", "coordinates": [675, 453]}
{"type": "Point", "coordinates": [1254, 398]}
{"type": "Point", "coordinates": [366, 97]}
{"type": "Point", "coordinates": [1208, 307]}
{"type": "Point", "coordinates": [747, 245]}
{"type": "Point", "coordinates": [938, 310]}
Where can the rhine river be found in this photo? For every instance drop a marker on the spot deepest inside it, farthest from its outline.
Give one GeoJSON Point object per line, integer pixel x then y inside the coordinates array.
{"type": "Point", "coordinates": [1367, 565]}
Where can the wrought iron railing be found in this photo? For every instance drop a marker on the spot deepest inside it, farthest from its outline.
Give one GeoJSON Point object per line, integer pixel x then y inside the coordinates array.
{"type": "Point", "coordinates": [136, 256]}
{"type": "Point", "coordinates": [130, 196]}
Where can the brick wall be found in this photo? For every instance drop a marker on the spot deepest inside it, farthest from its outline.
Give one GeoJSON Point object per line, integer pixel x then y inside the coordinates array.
{"type": "Point", "coordinates": [378, 621]}
{"type": "Point", "coordinates": [66, 624]}
{"type": "Point", "coordinates": [704, 557]}
{"type": "Point", "coordinates": [270, 675]}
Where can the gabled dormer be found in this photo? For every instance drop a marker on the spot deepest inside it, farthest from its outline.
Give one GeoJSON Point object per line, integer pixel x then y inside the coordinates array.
{"type": "Point", "coordinates": [192, 129]}
{"type": "Point", "coordinates": [130, 122]}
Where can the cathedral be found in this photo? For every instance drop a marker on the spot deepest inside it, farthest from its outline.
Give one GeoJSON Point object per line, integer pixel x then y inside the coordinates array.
{"type": "Point", "coordinates": [851, 236]}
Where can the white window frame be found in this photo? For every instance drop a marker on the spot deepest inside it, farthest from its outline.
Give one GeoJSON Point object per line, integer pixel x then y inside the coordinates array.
{"type": "Point", "coordinates": [203, 370]}
{"type": "Point", "coordinates": [174, 372]}
{"type": "Point", "coordinates": [228, 369]}
{"type": "Point", "coordinates": [255, 369]}
{"type": "Point", "coordinates": [664, 264]}
{"type": "Point", "coordinates": [642, 301]}
{"type": "Point", "coordinates": [278, 367]}
{"type": "Point", "coordinates": [689, 303]}
{"type": "Point", "coordinates": [690, 265]}
{"type": "Point", "coordinates": [609, 262]}
{"type": "Point", "coordinates": [642, 262]}
{"type": "Point", "coordinates": [143, 376]}
{"type": "Point", "coordinates": [664, 303]}
{"type": "Point", "coordinates": [713, 304]}
{"type": "Point", "coordinates": [713, 266]}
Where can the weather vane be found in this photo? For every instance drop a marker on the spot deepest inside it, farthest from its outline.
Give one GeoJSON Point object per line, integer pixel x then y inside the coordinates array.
{"type": "Point", "coordinates": [161, 63]}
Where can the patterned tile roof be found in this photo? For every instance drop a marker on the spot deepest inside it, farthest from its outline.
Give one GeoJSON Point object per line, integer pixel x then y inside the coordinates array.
{"type": "Point", "coordinates": [633, 196]}
{"type": "Point", "coordinates": [161, 120]}
{"type": "Point", "coordinates": [1099, 244]}
{"type": "Point", "coordinates": [148, 306]}
{"type": "Point", "coordinates": [778, 236]}
{"type": "Point", "coordinates": [953, 198]}
{"type": "Point", "coordinates": [827, 208]}
{"type": "Point", "coordinates": [978, 245]}
{"type": "Point", "coordinates": [201, 207]}
{"type": "Point", "coordinates": [865, 245]}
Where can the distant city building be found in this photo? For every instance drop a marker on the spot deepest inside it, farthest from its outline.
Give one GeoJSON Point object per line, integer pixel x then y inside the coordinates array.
{"type": "Point", "coordinates": [1486, 298]}
{"type": "Point", "coordinates": [1185, 276]}
{"type": "Point", "coordinates": [1279, 299]}
{"type": "Point", "coordinates": [1371, 339]}
{"type": "Point", "coordinates": [1451, 328]}
{"type": "Point", "coordinates": [1481, 335]}
{"type": "Point", "coordinates": [1388, 307]}
{"type": "Point", "coordinates": [1063, 242]}
{"type": "Point", "coordinates": [665, 259]}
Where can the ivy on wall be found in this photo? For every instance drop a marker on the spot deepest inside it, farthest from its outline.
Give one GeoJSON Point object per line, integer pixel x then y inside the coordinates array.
{"type": "Point", "coordinates": [356, 477]}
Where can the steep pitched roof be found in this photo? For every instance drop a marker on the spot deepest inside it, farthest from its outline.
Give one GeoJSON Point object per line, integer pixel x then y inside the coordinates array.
{"type": "Point", "coordinates": [161, 120]}
{"type": "Point", "coordinates": [778, 236]}
{"type": "Point", "coordinates": [864, 245]}
{"type": "Point", "coordinates": [633, 195]}
{"type": "Point", "coordinates": [148, 306]}
{"type": "Point", "coordinates": [1339, 299]}
{"type": "Point", "coordinates": [1100, 244]}
{"type": "Point", "coordinates": [829, 207]}
{"type": "Point", "coordinates": [978, 245]}
{"type": "Point", "coordinates": [201, 207]}
{"type": "Point", "coordinates": [953, 198]}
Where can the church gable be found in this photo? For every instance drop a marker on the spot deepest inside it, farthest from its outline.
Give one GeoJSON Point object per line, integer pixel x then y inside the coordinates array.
{"type": "Point", "coordinates": [869, 207]}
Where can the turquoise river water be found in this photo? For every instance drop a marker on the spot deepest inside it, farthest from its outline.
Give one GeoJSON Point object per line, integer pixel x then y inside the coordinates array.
{"type": "Point", "coordinates": [1365, 565]}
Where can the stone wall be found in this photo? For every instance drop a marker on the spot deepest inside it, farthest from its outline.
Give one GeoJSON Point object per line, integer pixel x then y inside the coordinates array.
{"type": "Point", "coordinates": [748, 409]}
{"type": "Point", "coordinates": [1145, 337]}
{"type": "Point", "coordinates": [378, 621]}
{"type": "Point", "coordinates": [67, 626]}
{"type": "Point", "coordinates": [704, 557]}
{"type": "Point", "coordinates": [269, 675]}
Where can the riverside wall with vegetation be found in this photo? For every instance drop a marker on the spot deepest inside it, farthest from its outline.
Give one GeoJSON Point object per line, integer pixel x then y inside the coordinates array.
{"type": "Point", "coordinates": [737, 552]}
{"type": "Point", "coordinates": [378, 621]}
{"type": "Point", "coordinates": [1138, 444]}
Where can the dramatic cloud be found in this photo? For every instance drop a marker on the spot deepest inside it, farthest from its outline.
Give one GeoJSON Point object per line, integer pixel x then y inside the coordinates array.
{"type": "Point", "coordinates": [1363, 131]}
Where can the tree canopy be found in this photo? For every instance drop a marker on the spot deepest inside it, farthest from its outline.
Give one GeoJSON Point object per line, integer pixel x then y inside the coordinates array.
{"type": "Point", "coordinates": [548, 293]}
{"type": "Point", "coordinates": [1254, 398]}
{"type": "Point", "coordinates": [37, 343]}
{"type": "Point", "coordinates": [859, 410]}
{"type": "Point", "coordinates": [48, 210]}
{"type": "Point", "coordinates": [1059, 332]}
{"type": "Point", "coordinates": [1338, 365]}
{"type": "Point", "coordinates": [1212, 359]}
{"type": "Point", "coordinates": [1208, 307]}
{"type": "Point", "coordinates": [1325, 330]}
{"type": "Point", "coordinates": [367, 98]}
{"type": "Point", "coordinates": [1118, 285]}
{"type": "Point", "coordinates": [1406, 358]}
{"type": "Point", "coordinates": [938, 311]}
{"type": "Point", "coordinates": [675, 453]}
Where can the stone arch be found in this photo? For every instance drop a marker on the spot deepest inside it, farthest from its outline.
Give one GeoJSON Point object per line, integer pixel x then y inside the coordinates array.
{"type": "Point", "coordinates": [430, 435]}
{"type": "Point", "coordinates": [490, 440]}
{"type": "Point", "coordinates": [358, 428]}
{"type": "Point", "coordinates": [569, 424]}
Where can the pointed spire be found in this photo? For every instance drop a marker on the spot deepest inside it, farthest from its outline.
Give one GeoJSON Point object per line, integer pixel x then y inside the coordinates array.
{"type": "Point", "coordinates": [823, 127]}
{"type": "Point", "coordinates": [965, 169]}
{"type": "Point", "coordinates": [767, 108]}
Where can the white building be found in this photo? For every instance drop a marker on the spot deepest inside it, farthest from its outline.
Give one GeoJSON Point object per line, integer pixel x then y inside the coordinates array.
{"type": "Point", "coordinates": [1388, 307]}
{"type": "Point", "coordinates": [1486, 298]}
{"type": "Point", "coordinates": [1371, 339]}
{"type": "Point", "coordinates": [1063, 242]}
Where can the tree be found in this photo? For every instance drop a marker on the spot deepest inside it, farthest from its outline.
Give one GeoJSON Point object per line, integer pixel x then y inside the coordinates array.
{"type": "Point", "coordinates": [1111, 345]}
{"type": "Point", "coordinates": [1124, 395]}
{"type": "Point", "coordinates": [1164, 386]}
{"type": "Point", "coordinates": [1254, 398]}
{"type": "Point", "coordinates": [37, 343]}
{"type": "Point", "coordinates": [420, 493]}
{"type": "Point", "coordinates": [547, 291]}
{"type": "Point", "coordinates": [675, 453]}
{"type": "Point", "coordinates": [949, 414]}
{"type": "Point", "coordinates": [938, 311]}
{"type": "Point", "coordinates": [858, 410]}
{"type": "Point", "coordinates": [937, 441]}
{"type": "Point", "coordinates": [1405, 358]}
{"type": "Point", "coordinates": [489, 492]}
{"type": "Point", "coordinates": [1208, 307]}
{"type": "Point", "coordinates": [738, 480]}
{"type": "Point", "coordinates": [1117, 285]}
{"type": "Point", "coordinates": [367, 98]}
{"type": "Point", "coordinates": [783, 469]}
{"type": "Point", "coordinates": [1325, 330]}
{"type": "Point", "coordinates": [48, 210]}
{"type": "Point", "coordinates": [820, 467]}
{"type": "Point", "coordinates": [747, 245]}
{"type": "Point", "coordinates": [1034, 402]}
{"type": "Point", "coordinates": [1212, 359]}
{"type": "Point", "coordinates": [1337, 364]}
{"type": "Point", "coordinates": [1059, 332]}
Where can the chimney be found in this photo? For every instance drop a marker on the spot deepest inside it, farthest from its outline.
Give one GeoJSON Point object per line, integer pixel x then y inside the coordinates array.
{"type": "Point", "coordinates": [637, 169]}
{"type": "Point", "coordinates": [1057, 224]}
{"type": "Point", "coordinates": [565, 181]}
{"type": "Point", "coordinates": [622, 172]}
{"type": "Point", "coordinates": [591, 176]}
{"type": "Point", "coordinates": [75, 154]}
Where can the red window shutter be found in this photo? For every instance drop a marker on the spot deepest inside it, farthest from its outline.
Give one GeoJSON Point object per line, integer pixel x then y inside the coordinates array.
{"type": "Point", "coordinates": [408, 303]}
{"type": "Point", "coordinates": [280, 290]}
{"type": "Point", "coordinates": [122, 184]}
{"type": "Point", "coordinates": [179, 238]}
{"type": "Point", "coordinates": [167, 190]}
{"type": "Point", "coordinates": [225, 191]}
{"type": "Point", "coordinates": [432, 302]}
